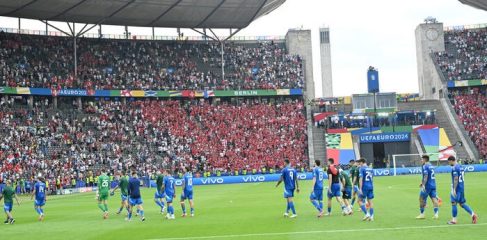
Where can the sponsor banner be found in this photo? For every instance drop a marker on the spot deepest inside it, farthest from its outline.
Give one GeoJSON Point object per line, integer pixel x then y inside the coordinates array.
{"type": "Point", "coordinates": [373, 81]}
{"type": "Point", "coordinates": [385, 137]}
{"type": "Point", "coordinates": [150, 93]}
{"type": "Point", "coordinates": [417, 170]}
{"type": "Point", "coordinates": [239, 179]}
{"type": "Point", "coordinates": [87, 189]}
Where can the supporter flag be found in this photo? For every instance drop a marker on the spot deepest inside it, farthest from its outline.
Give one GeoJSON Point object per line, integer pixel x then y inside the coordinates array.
{"type": "Point", "coordinates": [137, 93]}
{"type": "Point", "coordinates": [54, 92]}
{"type": "Point", "coordinates": [209, 93]}
{"type": "Point", "coordinates": [175, 93]}
{"type": "Point", "coordinates": [90, 92]}
{"type": "Point", "coordinates": [150, 93]}
{"type": "Point", "coordinates": [199, 93]}
{"type": "Point", "coordinates": [125, 93]}
{"type": "Point", "coordinates": [281, 92]}
{"type": "Point", "coordinates": [187, 93]}
{"type": "Point", "coordinates": [255, 70]}
{"type": "Point", "coordinates": [447, 152]}
{"type": "Point", "coordinates": [2, 90]}
{"type": "Point", "coordinates": [23, 90]}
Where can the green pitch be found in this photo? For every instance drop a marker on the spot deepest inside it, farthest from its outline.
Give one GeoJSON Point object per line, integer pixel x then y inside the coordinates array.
{"type": "Point", "coordinates": [254, 211]}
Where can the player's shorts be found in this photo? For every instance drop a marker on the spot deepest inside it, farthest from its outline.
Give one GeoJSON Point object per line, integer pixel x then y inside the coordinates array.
{"type": "Point", "coordinates": [7, 207]}
{"type": "Point", "coordinates": [157, 194]}
{"type": "Point", "coordinates": [169, 198]}
{"type": "Point", "coordinates": [356, 189]}
{"type": "Point", "coordinates": [347, 193]}
{"type": "Point", "coordinates": [334, 191]}
{"type": "Point", "coordinates": [316, 194]}
{"type": "Point", "coordinates": [135, 201]}
{"type": "Point", "coordinates": [124, 197]}
{"type": "Point", "coordinates": [39, 202]}
{"type": "Point", "coordinates": [288, 193]}
{"type": "Point", "coordinates": [367, 194]}
{"type": "Point", "coordinates": [460, 198]}
{"type": "Point", "coordinates": [103, 196]}
{"type": "Point", "coordinates": [186, 195]}
{"type": "Point", "coordinates": [428, 192]}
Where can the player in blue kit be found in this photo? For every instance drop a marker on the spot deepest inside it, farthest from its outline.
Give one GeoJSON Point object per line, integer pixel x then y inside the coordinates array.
{"type": "Point", "coordinates": [366, 190]}
{"type": "Point", "coordinates": [290, 178]}
{"type": "Point", "coordinates": [428, 188]}
{"type": "Point", "coordinates": [458, 191]}
{"type": "Point", "coordinates": [316, 196]}
{"type": "Point", "coordinates": [187, 192]}
{"type": "Point", "coordinates": [135, 199]}
{"type": "Point", "coordinates": [170, 192]}
{"type": "Point", "coordinates": [40, 197]}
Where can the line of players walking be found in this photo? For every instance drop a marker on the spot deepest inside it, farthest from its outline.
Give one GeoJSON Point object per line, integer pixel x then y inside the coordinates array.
{"type": "Point", "coordinates": [345, 187]}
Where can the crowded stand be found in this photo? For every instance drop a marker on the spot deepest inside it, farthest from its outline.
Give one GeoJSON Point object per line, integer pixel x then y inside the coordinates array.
{"type": "Point", "coordinates": [471, 107]}
{"type": "Point", "coordinates": [48, 62]}
{"type": "Point", "coordinates": [68, 146]}
{"type": "Point", "coordinates": [465, 54]}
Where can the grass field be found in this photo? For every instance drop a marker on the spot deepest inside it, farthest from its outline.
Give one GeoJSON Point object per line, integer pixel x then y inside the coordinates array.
{"type": "Point", "coordinates": [254, 211]}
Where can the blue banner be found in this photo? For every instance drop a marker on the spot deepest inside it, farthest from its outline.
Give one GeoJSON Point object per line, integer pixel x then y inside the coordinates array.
{"type": "Point", "coordinates": [385, 137]}
{"type": "Point", "coordinates": [373, 81]}
{"type": "Point", "coordinates": [239, 179]}
{"type": "Point", "coordinates": [417, 170]}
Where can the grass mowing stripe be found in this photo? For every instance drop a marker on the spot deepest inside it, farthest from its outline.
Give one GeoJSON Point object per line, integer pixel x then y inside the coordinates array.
{"type": "Point", "coordinates": [324, 231]}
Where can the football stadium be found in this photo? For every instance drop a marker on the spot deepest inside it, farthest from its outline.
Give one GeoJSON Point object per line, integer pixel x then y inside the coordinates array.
{"type": "Point", "coordinates": [219, 135]}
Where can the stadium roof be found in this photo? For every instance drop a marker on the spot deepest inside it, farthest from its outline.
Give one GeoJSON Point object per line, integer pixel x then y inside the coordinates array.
{"type": "Point", "coordinates": [480, 4]}
{"type": "Point", "coordinates": [144, 13]}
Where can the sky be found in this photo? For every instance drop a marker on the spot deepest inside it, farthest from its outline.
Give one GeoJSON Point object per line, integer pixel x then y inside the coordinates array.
{"type": "Point", "coordinates": [377, 33]}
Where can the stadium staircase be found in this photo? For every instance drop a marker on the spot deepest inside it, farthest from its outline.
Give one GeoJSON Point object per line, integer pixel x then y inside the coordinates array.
{"type": "Point", "coordinates": [443, 121]}
{"type": "Point", "coordinates": [319, 143]}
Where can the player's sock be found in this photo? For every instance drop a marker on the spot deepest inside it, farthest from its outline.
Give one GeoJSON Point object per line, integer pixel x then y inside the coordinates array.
{"type": "Point", "coordinates": [288, 207]}
{"type": "Point", "coordinates": [138, 211]}
{"type": "Point", "coordinates": [159, 203]}
{"type": "Point", "coordinates": [192, 210]}
{"type": "Point", "coordinates": [141, 212]}
{"type": "Point", "coordinates": [362, 207]}
{"type": "Point", "coordinates": [170, 209]}
{"type": "Point", "coordinates": [106, 207]}
{"type": "Point", "coordinates": [467, 208]}
{"type": "Point", "coordinates": [454, 211]}
{"type": "Point", "coordinates": [316, 204]}
{"type": "Point", "coordinates": [353, 201]}
{"type": "Point", "coordinates": [42, 211]}
{"type": "Point", "coordinates": [38, 211]}
{"type": "Point", "coordinates": [130, 215]}
{"type": "Point", "coordinates": [371, 212]}
{"type": "Point", "coordinates": [421, 210]}
{"type": "Point", "coordinates": [183, 207]}
{"type": "Point", "coordinates": [435, 210]}
{"type": "Point", "coordinates": [120, 210]}
{"type": "Point", "coordinates": [321, 206]}
{"type": "Point", "coordinates": [291, 204]}
{"type": "Point", "coordinates": [101, 207]}
{"type": "Point", "coordinates": [329, 209]}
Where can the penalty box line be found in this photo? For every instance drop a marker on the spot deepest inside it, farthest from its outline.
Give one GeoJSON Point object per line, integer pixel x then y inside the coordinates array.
{"type": "Point", "coordinates": [323, 231]}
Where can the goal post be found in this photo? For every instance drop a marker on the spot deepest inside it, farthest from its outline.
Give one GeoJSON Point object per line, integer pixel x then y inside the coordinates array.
{"type": "Point", "coordinates": [413, 160]}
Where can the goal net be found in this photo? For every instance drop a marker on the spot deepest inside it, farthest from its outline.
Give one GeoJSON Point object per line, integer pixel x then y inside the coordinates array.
{"type": "Point", "coordinates": [414, 160]}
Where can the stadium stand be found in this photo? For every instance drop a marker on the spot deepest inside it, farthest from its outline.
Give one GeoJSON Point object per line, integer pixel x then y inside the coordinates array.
{"type": "Point", "coordinates": [151, 134]}
{"type": "Point", "coordinates": [48, 62]}
{"type": "Point", "coordinates": [464, 56]}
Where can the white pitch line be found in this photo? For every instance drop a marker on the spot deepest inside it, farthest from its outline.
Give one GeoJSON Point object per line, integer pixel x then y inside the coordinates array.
{"type": "Point", "coordinates": [323, 231]}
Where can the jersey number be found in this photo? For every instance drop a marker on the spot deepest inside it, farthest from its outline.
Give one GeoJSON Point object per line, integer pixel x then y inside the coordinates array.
{"type": "Point", "coordinates": [320, 176]}
{"type": "Point", "coordinates": [432, 174]}
{"type": "Point", "coordinates": [291, 175]}
{"type": "Point", "coordinates": [41, 189]}
{"type": "Point", "coordinates": [104, 183]}
{"type": "Point", "coordinates": [190, 182]}
{"type": "Point", "coordinates": [368, 176]}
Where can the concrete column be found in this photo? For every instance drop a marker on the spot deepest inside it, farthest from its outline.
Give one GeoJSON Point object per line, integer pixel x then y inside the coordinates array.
{"type": "Point", "coordinates": [80, 107]}
{"type": "Point", "coordinates": [54, 102]}
{"type": "Point", "coordinates": [30, 101]}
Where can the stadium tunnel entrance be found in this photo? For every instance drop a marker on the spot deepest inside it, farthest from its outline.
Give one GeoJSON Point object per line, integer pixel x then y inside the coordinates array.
{"type": "Point", "coordinates": [379, 148]}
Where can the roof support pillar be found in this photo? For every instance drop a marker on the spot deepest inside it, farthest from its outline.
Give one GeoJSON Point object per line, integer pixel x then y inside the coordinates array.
{"type": "Point", "coordinates": [19, 25]}
{"type": "Point", "coordinates": [153, 34]}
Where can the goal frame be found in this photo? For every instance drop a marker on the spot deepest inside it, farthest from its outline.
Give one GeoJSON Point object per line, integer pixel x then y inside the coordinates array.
{"type": "Point", "coordinates": [410, 154]}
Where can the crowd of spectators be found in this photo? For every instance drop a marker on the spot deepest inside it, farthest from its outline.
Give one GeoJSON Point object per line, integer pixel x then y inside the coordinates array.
{"type": "Point", "coordinates": [471, 108]}
{"type": "Point", "coordinates": [210, 138]}
{"type": "Point", "coordinates": [48, 62]}
{"type": "Point", "coordinates": [465, 55]}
